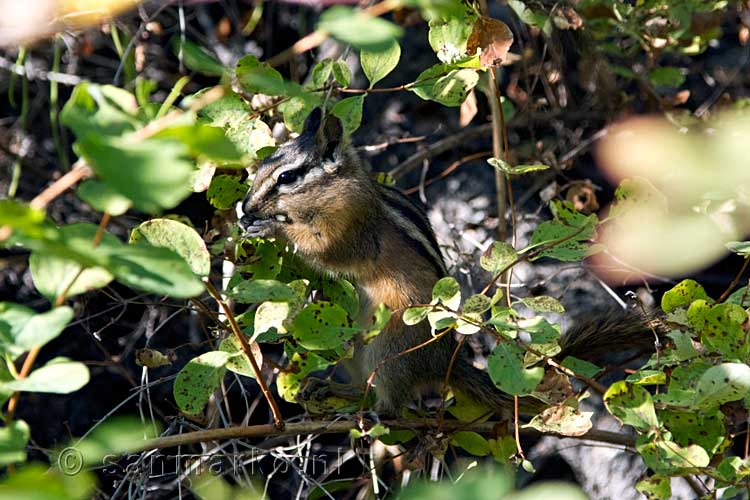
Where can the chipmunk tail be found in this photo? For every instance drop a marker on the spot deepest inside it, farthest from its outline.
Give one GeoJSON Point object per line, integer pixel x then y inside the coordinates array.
{"type": "Point", "coordinates": [591, 338]}
{"type": "Point", "coordinates": [611, 331]}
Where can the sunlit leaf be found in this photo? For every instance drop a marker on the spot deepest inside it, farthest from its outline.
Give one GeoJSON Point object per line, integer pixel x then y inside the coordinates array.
{"type": "Point", "coordinates": [198, 380]}
{"type": "Point", "coordinates": [58, 376]}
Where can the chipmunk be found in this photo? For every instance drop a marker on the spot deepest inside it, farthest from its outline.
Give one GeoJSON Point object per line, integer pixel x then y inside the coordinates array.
{"type": "Point", "coordinates": [315, 193]}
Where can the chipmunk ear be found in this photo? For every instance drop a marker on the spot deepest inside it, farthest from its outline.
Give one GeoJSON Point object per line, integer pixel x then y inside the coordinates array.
{"type": "Point", "coordinates": [312, 123]}
{"type": "Point", "coordinates": [332, 130]}
{"type": "Point", "coordinates": [329, 137]}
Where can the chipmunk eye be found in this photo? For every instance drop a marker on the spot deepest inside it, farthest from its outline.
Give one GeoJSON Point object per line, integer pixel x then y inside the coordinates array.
{"type": "Point", "coordinates": [288, 177]}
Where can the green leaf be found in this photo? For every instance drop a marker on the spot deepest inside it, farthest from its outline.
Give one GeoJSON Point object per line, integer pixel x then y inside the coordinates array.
{"type": "Point", "coordinates": [497, 257]}
{"type": "Point", "coordinates": [684, 348]}
{"type": "Point", "coordinates": [144, 267]}
{"type": "Point", "coordinates": [323, 325]}
{"type": "Point", "coordinates": [690, 427]}
{"type": "Point", "coordinates": [472, 442]}
{"type": "Point", "coordinates": [296, 110]}
{"type": "Point", "coordinates": [632, 404]}
{"type": "Point", "coordinates": [37, 481]}
{"type": "Point", "coordinates": [320, 73]}
{"type": "Point", "coordinates": [354, 27]}
{"type": "Point", "coordinates": [231, 114]}
{"type": "Point", "coordinates": [21, 217]}
{"type": "Point", "coordinates": [721, 384]}
{"type": "Point", "coordinates": [506, 368]}
{"type": "Point", "coordinates": [341, 292]}
{"type": "Point", "coordinates": [685, 292]}
{"type": "Point", "coordinates": [375, 431]}
{"type": "Point", "coordinates": [685, 377]}
{"type": "Point", "coordinates": [741, 297]}
{"type": "Point", "coordinates": [197, 58]}
{"type": "Point", "coordinates": [53, 275]}
{"type": "Point", "coordinates": [349, 111]}
{"type": "Point", "coordinates": [156, 270]}
{"type": "Point", "coordinates": [258, 77]}
{"type": "Point", "coordinates": [447, 291]}
{"type": "Point", "coordinates": [443, 84]}
{"type": "Point", "coordinates": [723, 331]}
{"type": "Point", "coordinates": [117, 435]}
{"type": "Point", "coordinates": [203, 140]}
{"type": "Point", "coordinates": [381, 317]}
{"type": "Point", "coordinates": [670, 458]}
{"type": "Point", "coordinates": [543, 303]}
{"type": "Point", "coordinates": [581, 366]}
{"type": "Point", "coordinates": [22, 328]}
{"type": "Point", "coordinates": [178, 237]}
{"type": "Point", "coordinates": [288, 382]}
{"type": "Point", "coordinates": [563, 420]}
{"type": "Point", "coordinates": [448, 36]}
{"type": "Point", "coordinates": [342, 73]}
{"type": "Point", "coordinates": [59, 376]}
{"type": "Point", "coordinates": [667, 76]}
{"type": "Point", "coordinates": [656, 487]}
{"type": "Point", "coordinates": [570, 224]}
{"type": "Point", "coordinates": [257, 291]}
{"type": "Point", "coordinates": [198, 380]}
{"type": "Point", "coordinates": [647, 377]}
{"type": "Point", "coordinates": [225, 191]}
{"type": "Point", "coordinates": [13, 440]}
{"type": "Point", "coordinates": [94, 110]}
{"type": "Point", "coordinates": [258, 259]}
{"type": "Point", "coordinates": [414, 315]}
{"type": "Point", "coordinates": [103, 198]}
{"type": "Point", "coordinates": [237, 362]}
{"type": "Point", "coordinates": [506, 168]}
{"type": "Point", "coordinates": [378, 64]}
{"type": "Point", "coordinates": [400, 436]}
{"type": "Point", "coordinates": [154, 173]}
{"type": "Point", "coordinates": [477, 304]}
{"type": "Point", "coordinates": [739, 247]}
{"type": "Point", "coordinates": [271, 315]}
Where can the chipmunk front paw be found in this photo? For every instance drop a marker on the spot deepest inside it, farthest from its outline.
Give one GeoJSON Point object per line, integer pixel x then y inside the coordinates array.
{"type": "Point", "coordinates": [257, 228]}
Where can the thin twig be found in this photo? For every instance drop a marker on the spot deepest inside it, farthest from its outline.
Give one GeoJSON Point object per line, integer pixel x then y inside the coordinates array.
{"type": "Point", "coordinates": [278, 422]}
{"type": "Point", "coordinates": [530, 255]}
{"type": "Point", "coordinates": [317, 37]}
{"type": "Point", "coordinates": [736, 280]}
{"type": "Point", "coordinates": [341, 427]}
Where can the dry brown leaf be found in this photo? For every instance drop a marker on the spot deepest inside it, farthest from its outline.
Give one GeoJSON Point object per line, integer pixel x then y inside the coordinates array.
{"type": "Point", "coordinates": [677, 99]}
{"type": "Point", "coordinates": [555, 387]}
{"type": "Point", "coordinates": [468, 109]}
{"type": "Point", "coordinates": [583, 198]}
{"type": "Point", "coordinates": [151, 358]}
{"type": "Point", "coordinates": [493, 37]}
{"type": "Point", "coordinates": [744, 35]}
{"type": "Point", "coordinates": [566, 18]}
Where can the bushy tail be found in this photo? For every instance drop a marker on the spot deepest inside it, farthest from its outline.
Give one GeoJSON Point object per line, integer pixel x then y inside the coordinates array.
{"type": "Point", "coordinates": [591, 338]}
{"type": "Point", "coordinates": [610, 331]}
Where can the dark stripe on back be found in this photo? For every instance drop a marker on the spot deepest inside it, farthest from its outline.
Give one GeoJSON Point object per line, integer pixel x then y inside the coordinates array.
{"type": "Point", "coordinates": [412, 212]}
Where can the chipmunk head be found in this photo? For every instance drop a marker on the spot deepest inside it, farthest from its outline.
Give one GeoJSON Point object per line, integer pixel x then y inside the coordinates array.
{"type": "Point", "coordinates": [311, 177]}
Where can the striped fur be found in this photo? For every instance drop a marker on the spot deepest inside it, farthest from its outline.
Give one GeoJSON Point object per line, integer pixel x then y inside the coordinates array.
{"type": "Point", "coordinates": [414, 225]}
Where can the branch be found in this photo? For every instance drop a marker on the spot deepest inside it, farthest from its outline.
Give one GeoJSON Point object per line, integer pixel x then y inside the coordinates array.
{"type": "Point", "coordinates": [278, 422]}
{"type": "Point", "coordinates": [342, 427]}
{"type": "Point", "coordinates": [317, 37]}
